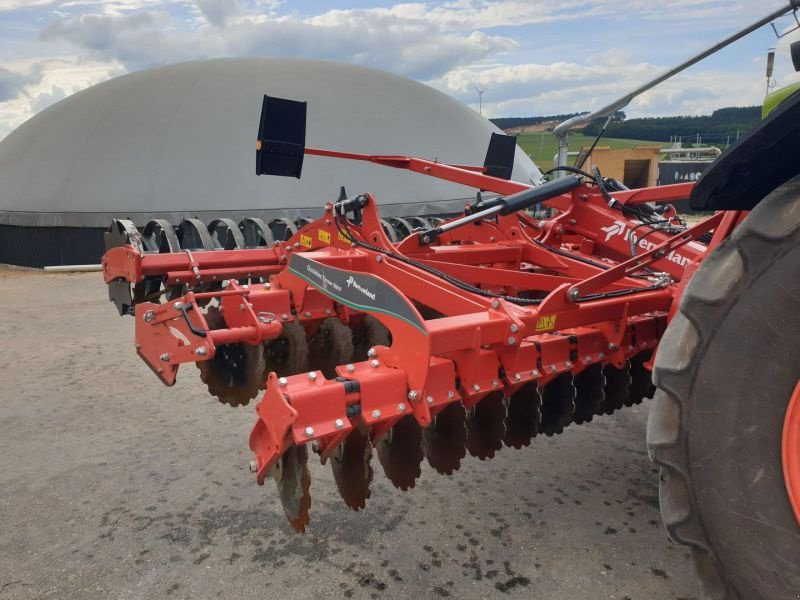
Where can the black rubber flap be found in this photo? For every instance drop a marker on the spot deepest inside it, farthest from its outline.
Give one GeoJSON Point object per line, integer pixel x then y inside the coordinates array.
{"type": "Point", "coordinates": [281, 137]}
{"type": "Point", "coordinates": [756, 164]}
{"type": "Point", "coordinates": [500, 156]}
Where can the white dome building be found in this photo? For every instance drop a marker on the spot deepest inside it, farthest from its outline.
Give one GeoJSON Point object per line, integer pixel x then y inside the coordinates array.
{"type": "Point", "coordinates": [179, 142]}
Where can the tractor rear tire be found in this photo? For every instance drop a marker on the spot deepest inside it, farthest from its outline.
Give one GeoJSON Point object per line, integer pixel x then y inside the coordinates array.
{"type": "Point", "coordinates": [726, 369]}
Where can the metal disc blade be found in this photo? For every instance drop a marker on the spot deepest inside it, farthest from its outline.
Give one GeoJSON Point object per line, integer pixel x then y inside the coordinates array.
{"type": "Point", "coordinates": [618, 382]}
{"type": "Point", "coordinates": [400, 453]}
{"type": "Point", "coordinates": [558, 404]}
{"type": "Point", "coordinates": [486, 426]}
{"type": "Point", "coordinates": [237, 372]}
{"type": "Point", "coordinates": [523, 416]}
{"type": "Point", "coordinates": [288, 354]}
{"type": "Point", "coordinates": [294, 480]}
{"type": "Point", "coordinates": [641, 380]}
{"type": "Point", "coordinates": [330, 347]}
{"type": "Point", "coordinates": [368, 334]}
{"type": "Point", "coordinates": [443, 442]}
{"type": "Point", "coordinates": [351, 468]}
{"type": "Point", "coordinates": [589, 394]}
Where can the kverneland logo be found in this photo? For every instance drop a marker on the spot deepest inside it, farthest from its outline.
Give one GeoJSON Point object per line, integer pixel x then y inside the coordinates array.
{"type": "Point", "coordinates": [621, 229]}
{"type": "Point", "coordinates": [351, 282]}
{"type": "Point", "coordinates": [618, 228]}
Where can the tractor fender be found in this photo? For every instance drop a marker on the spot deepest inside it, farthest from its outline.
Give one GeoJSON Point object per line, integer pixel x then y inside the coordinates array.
{"type": "Point", "coordinates": [756, 164]}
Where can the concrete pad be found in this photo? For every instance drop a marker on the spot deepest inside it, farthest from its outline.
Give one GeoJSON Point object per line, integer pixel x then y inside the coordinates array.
{"type": "Point", "coordinates": [114, 486]}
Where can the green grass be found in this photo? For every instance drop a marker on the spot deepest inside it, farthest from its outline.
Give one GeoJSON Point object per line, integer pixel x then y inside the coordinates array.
{"type": "Point", "coordinates": [542, 147]}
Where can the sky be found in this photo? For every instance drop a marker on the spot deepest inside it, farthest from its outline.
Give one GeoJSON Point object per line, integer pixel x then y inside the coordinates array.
{"type": "Point", "coordinates": [532, 57]}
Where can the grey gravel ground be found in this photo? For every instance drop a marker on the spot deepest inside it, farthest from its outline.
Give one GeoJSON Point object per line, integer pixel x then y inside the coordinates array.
{"type": "Point", "coordinates": [113, 486]}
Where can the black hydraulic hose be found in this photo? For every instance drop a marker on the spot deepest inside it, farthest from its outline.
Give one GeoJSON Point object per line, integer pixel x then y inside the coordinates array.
{"type": "Point", "coordinates": [340, 220]}
{"type": "Point", "coordinates": [568, 169]}
{"type": "Point", "coordinates": [435, 272]}
{"type": "Point", "coordinates": [581, 160]}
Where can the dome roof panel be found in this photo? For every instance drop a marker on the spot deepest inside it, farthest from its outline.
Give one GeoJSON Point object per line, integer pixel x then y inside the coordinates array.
{"type": "Point", "coordinates": [179, 141]}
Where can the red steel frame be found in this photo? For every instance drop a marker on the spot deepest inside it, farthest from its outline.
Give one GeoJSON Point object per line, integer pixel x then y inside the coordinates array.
{"type": "Point", "coordinates": [483, 343]}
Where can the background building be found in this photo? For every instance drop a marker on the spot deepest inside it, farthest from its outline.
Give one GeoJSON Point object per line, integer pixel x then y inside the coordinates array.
{"type": "Point", "coordinates": [179, 142]}
{"type": "Point", "coordinates": [635, 167]}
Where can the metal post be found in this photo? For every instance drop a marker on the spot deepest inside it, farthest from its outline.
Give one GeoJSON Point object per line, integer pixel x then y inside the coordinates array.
{"type": "Point", "coordinates": [563, 154]}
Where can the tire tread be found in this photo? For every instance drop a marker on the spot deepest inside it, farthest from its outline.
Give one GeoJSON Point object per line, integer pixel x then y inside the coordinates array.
{"type": "Point", "coordinates": [714, 289]}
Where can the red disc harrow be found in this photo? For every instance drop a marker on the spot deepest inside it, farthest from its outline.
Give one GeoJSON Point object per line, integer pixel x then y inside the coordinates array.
{"type": "Point", "coordinates": [416, 340]}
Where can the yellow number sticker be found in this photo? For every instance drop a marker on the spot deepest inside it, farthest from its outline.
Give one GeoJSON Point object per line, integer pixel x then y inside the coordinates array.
{"type": "Point", "coordinates": [305, 240]}
{"type": "Point", "coordinates": [324, 236]}
{"type": "Point", "coordinates": [546, 323]}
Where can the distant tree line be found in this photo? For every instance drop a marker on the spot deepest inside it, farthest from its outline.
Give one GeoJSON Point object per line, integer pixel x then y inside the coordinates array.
{"type": "Point", "coordinates": [722, 124]}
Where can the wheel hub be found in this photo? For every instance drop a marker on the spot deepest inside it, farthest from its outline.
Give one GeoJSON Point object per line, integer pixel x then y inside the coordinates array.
{"type": "Point", "coordinates": [791, 451]}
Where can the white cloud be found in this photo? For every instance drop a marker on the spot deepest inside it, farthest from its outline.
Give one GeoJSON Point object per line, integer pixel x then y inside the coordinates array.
{"type": "Point", "coordinates": [55, 79]}
{"type": "Point", "coordinates": [564, 87]}
{"type": "Point", "coordinates": [13, 83]}
{"type": "Point", "coordinates": [415, 48]}
{"type": "Point", "coordinates": [460, 15]}
{"type": "Point", "coordinates": [453, 44]}
{"type": "Point", "coordinates": [7, 5]}
{"type": "Point", "coordinates": [218, 12]}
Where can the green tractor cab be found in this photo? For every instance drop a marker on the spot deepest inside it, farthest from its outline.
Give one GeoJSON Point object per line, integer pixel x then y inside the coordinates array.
{"type": "Point", "coordinates": [772, 100]}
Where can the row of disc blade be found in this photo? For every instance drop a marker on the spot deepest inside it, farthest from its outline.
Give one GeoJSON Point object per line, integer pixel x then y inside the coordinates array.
{"type": "Point", "coordinates": [238, 371]}
{"type": "Point", "coordinates": [480, 431]}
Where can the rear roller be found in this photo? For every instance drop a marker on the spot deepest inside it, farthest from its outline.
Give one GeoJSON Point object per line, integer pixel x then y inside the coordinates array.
{"type": "Point", "coordinates": [225, 234]}
{"type": "Point", "coordinates": [293, 479]}
{"type": "Point", "coordinates": [120, 291]}
{"type": "Point", "coordinates": [444, 441]}
{"type": "Point", "coordinates": [389, 231]}
{"type": "Point", "coordinates": [419, 223]}
{"type": "Point", "coordinates": [255, 233]}
{"type": "Point", "coordinates": [400, 453]}
{"type": "Point", "coordinates": [194, 235]}
{"type": "Point", "coordinates": [402, 227]}
{"type": "Point", "coordinates": [282, 229]}
{"type": "Point", "coordinates": [486, 426]}
{"type": "Point", "coordinates": [351, 467]}
{"type": "Point", "coordinates": [237, 372]}
{"type": "Point", "coordinates": [158, 236]}
{"type": "Point", "coordinates": [727, 369]}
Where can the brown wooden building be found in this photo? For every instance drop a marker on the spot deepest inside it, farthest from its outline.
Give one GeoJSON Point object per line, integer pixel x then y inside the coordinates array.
{"type": "Point", "coordinates": [636, 167]}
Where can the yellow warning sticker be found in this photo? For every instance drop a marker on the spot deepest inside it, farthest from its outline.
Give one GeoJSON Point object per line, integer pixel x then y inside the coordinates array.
{"type": "Point", "coordinates": [546, 323]}
{"type": "Point", "coordinates": [324, 236]}
{"type": "Point", "coordinates": [305, 240]}
{"type": "Point", "coordinates": [343, 237]}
